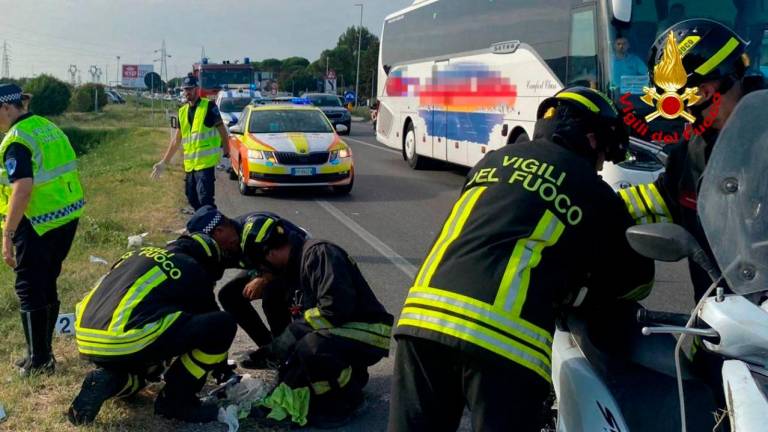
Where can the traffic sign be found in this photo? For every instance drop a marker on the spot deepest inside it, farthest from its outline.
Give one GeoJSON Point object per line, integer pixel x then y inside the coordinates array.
{"type": "Point", "coordinates": [330, 86]}
{"type": "Point", "coordinates": [331, 75]}
{"type": "Point", "coordinates": [349, 97]}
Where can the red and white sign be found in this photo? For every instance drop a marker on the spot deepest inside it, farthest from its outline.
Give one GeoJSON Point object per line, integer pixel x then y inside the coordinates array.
{"type": "Point", "coordinates": [331, 75]}
{"type": "Point", "coordinates": [133, 75]}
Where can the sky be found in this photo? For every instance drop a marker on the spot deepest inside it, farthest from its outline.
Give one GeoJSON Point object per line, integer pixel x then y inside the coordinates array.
{"type": "Point", "coordinates": [47, 36]}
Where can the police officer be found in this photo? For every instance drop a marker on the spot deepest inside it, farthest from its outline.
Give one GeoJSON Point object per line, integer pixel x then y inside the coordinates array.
{"type": "Point", "coordinates": [339, 327]}
{"type": "Point", "coordinates": [716, 65]}
{"type": "Point", "coordinates": [41, 200]}
{"type": "Point", "coordinates": [156, 304]}
{"type": "Point", "coordinates": [203, 137]}
{"type": "Point", "coordinates": [534, 223]}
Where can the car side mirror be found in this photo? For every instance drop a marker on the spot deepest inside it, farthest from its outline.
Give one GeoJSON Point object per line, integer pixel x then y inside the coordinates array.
{"type": "Point", "coordinates": [235, 129]}
{"type": "Point", "coordinates": [175, 123]}
{"type": "Point", "coordinates": [340, 128]}
{"type": "Point", "coordinates": [662, 241]}
{"type": "Point", "coordinates": [232, 122]}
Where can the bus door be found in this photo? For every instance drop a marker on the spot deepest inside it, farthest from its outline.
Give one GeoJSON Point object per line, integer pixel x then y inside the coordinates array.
{"type": "Point", "coordinates": [440, 88]}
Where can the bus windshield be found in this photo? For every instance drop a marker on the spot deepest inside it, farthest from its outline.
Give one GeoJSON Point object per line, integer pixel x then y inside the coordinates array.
{"type": "Point", "coordinates": [630, 43]}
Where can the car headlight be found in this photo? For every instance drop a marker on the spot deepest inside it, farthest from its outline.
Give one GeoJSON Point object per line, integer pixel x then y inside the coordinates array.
{"type": "Point", "coordinates": [340, 154]}
{"type": "Point", "coordinates": [255, 154]}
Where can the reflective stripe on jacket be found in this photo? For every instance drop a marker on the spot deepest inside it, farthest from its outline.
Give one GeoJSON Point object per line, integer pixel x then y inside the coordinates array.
{"type": "Point", "coordinates": [57, 195]}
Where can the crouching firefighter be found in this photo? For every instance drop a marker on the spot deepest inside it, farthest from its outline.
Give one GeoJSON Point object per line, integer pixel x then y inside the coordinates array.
{"type": "Point", "coordinates": [339, 327]}
{"type": "Point", "coordinates": [156, 304]}
{"type": "Point", "coordinates": [534, 223]}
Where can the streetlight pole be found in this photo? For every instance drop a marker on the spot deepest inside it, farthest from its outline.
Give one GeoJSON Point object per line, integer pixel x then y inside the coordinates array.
{"type": "Point", "coordinates": [359, 43]}
{"type": "Point", "coordinates": [117, 74]}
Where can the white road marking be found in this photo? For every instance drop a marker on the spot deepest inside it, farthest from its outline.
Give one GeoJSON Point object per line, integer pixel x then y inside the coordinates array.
{"type": "Point", "coordinates": [377, 147]}
{"type": "Point", "coordinates": [386, 251]}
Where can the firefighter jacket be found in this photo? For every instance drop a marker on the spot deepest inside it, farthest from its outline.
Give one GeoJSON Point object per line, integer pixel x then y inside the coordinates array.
{"type": "Point", "coordinates": [673, 196]}
{"type": "Point", "coordinates": [139, 299]}
{"type": "Point", "coordinates": [534, 223]}
{"type": "Point", "coordinates": [332, 295]}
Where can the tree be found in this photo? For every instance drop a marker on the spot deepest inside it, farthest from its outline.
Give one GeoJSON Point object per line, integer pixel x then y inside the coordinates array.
{"type": "Point", "coordinates": [83, 98]}
{"type": "Point", "coordinates": [271, 65]}
{"type": "Point", "coordinates": [50, 96]}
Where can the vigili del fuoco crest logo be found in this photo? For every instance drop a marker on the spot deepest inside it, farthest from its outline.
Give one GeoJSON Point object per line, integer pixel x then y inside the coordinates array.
{"type": "Point", "coordinates": [670, 76]}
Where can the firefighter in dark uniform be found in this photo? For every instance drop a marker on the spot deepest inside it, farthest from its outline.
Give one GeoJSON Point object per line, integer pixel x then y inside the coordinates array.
{"type": "Point", "coordinates": [716, 65]}
{"type": "Point", "coordinates": [236, 295]}
{"type": "Point", "coordinates": [533, 224]}
{"type": "Point", "coordinates": [203, 137]}
{"type": "Point", "coordinates": [156, 304]}
{"type": "Point", "coordinates": [41, 201]}
{"type": "Point", "coordinates": [339, 327]}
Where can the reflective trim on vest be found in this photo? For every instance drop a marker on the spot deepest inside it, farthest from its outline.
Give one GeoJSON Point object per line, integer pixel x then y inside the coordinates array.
{"type": "Point", "coordinates": [478, 335]}
{"type": "Point", "coordinates": [314, 318]}
{"type": "Point", "coordinates": [57, 214]}
{"type": "Point", "coordinates": [105, 343]}
{"type": "Point", "coordinates": [376, 335]}
{"type": "Point", "coordinates": [200, 136]}
{"type": "Point", "coordinates": [193, 369]}
{"type": "Point", "coordinates": [201, 154]}
{"type": "Point", "coordinates": [449, 233]}
{"type": "Point", "coordinates": [322, 387]}
{"type": "Point", "coordinates": [645, 204]}
{"type": "Point", "coordinates": [526, 256]}
{"type": "Point", "coordinates": [43, 176]}
{"type": "Point", "coordinates": [483, 312]}
{"type": "Point", "coordinates": [208, 359]}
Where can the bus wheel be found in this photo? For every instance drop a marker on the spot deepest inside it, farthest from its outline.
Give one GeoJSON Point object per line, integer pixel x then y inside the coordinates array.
{"type": "Point", "coordinates": [409, 150]}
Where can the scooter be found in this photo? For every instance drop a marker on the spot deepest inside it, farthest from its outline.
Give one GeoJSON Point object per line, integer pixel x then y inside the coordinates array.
{"type": "Point", "coordinates": [631, 376]}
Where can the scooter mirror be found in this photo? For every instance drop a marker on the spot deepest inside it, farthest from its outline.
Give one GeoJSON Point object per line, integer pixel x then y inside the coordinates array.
{"type": "Point", "coordinates": [662, 241]}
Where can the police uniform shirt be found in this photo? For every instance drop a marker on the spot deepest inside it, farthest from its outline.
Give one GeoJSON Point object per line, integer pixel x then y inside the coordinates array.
{"type": "Point", "coordinates": [212, 117]}
{"type": "Point", "coordinates": [18, 158]}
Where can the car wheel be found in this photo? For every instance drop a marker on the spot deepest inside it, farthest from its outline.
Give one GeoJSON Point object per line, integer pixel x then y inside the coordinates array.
{"type": "Point", "coordinates": [345, 189]}
{"type": "Point", "coordinates": [349, 129]}
{"type": "Point", "coordinates": [409, 150]}
{"type": "Point", "coordinates": [243, 185]}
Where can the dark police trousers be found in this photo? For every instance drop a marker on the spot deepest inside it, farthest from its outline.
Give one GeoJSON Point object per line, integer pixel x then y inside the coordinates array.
{"type": "Point", "coordinates": [274, 302]}
{"type": "Point", "coordinates": [38, 263]}
{"type": "Point", "coordinates": [200, 187]}
{"type": "Point", "coordinates": [432, 383]}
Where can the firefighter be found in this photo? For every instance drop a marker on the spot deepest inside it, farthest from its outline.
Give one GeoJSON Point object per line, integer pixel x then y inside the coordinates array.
{"type": "Point", "coordinates": [156, 304]}
{"type": "Point", "coordinates": [235, 296]}
{"type": "Point", "coordinates": [716, 66]}
{"type": "Point", "coordinates": [203, 137]}
{"type": "Point", "coordinates": [533, 224]}
{"type": "Point", "coordinates": [41, 201]}
{"type": "Point", "coordinates": [339, 327]}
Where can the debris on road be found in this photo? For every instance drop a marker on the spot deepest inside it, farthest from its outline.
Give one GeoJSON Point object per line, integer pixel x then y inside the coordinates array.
{"type": "Point", "coordinates": [136, 241]}
{"type": "Point", "coordinates": [97, 260]}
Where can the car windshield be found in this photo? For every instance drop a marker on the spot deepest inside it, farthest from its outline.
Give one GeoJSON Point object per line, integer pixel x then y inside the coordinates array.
{"type": "Point", "coordinates": [631, 42]}
{"type": "Point", "coordinates": [230, 105]}
{"type": "Point", "coordinates": [277, 121]}
{"type": "Point", "coordinates": [325, 101]}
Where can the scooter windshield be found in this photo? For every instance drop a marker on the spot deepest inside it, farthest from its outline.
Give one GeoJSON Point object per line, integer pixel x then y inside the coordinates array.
{"type": "Point", "coordinates": [734, 193]}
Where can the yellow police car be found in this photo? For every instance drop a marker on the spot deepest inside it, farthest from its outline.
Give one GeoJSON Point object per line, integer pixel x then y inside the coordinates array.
{"type": "Point", "coordinates": [288, 145]}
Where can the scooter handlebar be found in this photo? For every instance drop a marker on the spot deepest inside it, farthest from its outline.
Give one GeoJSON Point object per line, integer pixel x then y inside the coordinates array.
{"type": "Point", "coordinates": [645, 316]}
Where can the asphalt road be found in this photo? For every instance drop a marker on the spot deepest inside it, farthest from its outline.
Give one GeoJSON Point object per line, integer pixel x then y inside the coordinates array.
{"type": "Point", "coordinates": [387, 223]}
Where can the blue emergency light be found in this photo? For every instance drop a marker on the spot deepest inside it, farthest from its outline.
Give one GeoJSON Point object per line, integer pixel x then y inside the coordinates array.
{"type": "Point", "coordinates": [300, 101]}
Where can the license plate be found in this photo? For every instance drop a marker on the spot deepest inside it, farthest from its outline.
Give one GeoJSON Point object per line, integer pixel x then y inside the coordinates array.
{"type": "Point", "coordinates": [303, 171]}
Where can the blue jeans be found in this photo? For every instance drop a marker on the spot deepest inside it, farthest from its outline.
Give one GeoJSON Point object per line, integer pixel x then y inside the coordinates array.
{"type": "Point", "coordinates": [200, 187]}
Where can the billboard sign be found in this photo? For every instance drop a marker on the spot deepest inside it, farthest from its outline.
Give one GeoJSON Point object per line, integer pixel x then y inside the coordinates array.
{"type": "Point", "coordinates": [133, 75]}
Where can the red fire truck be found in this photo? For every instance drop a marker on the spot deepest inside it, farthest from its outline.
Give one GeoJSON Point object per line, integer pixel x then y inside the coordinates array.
{"type": "Point", "coordinates": [213, 77]}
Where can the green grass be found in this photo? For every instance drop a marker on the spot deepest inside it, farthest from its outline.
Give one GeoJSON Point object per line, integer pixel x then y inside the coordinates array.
{"type": "Point", "coordinates": [362, 111]}
{"type": "Point", "coordinates": [118, 151]}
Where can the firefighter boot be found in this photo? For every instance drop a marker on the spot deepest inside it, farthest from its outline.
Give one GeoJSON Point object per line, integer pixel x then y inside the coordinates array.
{"type": "Point", "coordinates": [39, 358]}
{"type": "Point", "coordinates": [178, 399]}
{"type": "Point", "coordinates": [98, 386]}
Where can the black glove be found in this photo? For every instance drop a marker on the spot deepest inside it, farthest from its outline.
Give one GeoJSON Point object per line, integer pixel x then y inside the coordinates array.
{"type": "Point", "coordinates": [262, 358]}
{"type": "Point", "coordinates": [222, 372]}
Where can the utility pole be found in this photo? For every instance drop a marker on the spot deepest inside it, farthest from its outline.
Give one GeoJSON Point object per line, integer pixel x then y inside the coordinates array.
{"type": "Point", "coordinates": [73, 74]}
{"type": "Point", "coordinates": [117, 74]}
{"type": "Point", "coordinates": [327, 63]}
{"type": "Point", "coordinates": [359, 43]}
{"type": "Point", "coordinates": [163, 64]}
{"type": "Point", "coordinates": [202, 54]}
{"type": "Point", "coordinates": [6, 62]}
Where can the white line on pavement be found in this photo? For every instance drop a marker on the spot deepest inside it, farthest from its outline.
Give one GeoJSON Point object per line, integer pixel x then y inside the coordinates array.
{"type": "Point", "coordinates": [377, 147]}
{"type": "Point", "coordinates": [386, 251]}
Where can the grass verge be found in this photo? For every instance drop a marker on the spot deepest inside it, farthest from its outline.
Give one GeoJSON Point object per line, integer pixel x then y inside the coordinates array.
{"type": "Point", "coordinates": [118, 148]}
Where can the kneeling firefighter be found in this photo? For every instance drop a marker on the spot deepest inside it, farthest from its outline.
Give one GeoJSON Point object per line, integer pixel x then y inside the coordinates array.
{"type": "Point", "coordinates": [534, 224]}
{"type": "Point", "coordinates": [339, 327]}
{"type": "Point", "coordinates": [156, 304]}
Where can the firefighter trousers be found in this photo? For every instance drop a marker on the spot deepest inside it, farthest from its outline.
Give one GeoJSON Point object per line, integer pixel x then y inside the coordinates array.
{"type": "Point", "coordinates": [432, 384]}
{"type": "Point", "coordinates": [274, 303]}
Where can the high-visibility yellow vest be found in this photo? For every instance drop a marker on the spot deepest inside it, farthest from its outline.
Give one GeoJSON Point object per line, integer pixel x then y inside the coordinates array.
{"type": "Point", "coordinates": [202, 145]}
{"type": "Point", "coordinates": [57, 196]}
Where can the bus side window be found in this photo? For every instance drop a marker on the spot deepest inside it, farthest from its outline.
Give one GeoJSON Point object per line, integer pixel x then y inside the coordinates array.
{"type": "Point", "coordinates": [582, 56]}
